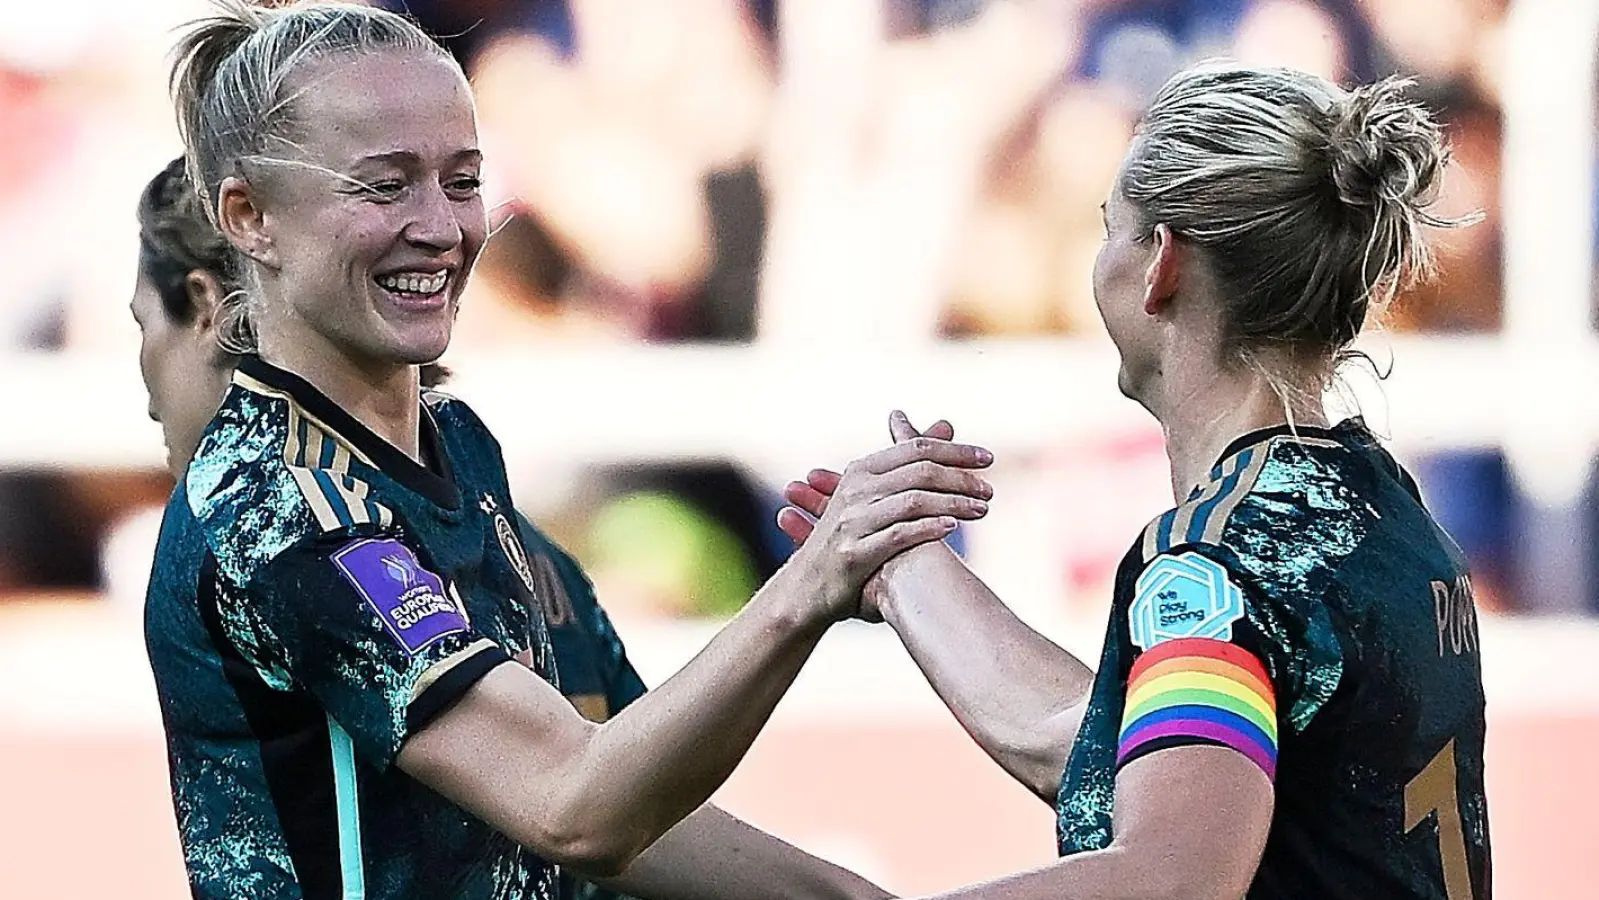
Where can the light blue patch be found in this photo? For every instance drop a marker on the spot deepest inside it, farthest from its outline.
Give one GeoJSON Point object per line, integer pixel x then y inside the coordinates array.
{"type": "Point", "coordinates": [1182, 596]}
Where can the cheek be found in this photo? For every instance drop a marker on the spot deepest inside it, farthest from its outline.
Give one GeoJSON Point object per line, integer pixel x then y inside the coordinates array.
{"type": "Point", "coordinates": [151, 355]}
{"type": "Point", "coordinates": [1099, 275]}
{"type": "Point", "coordinates": [474, 224]}
{"type": "Point", "coordinates": [1110, 278]}
{"type": "Point", "coordinates": [155, 364]}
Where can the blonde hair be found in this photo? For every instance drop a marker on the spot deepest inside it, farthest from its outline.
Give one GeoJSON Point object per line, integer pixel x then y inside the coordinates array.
{"type": "Point", "coordinates": [230, 83]}
{"type": "Point", "coordinates": [1308, 201]}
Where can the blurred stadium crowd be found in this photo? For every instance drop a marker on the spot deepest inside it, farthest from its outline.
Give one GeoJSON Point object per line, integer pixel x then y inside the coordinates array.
{"type": "Point", "coordinates": [717, 171]}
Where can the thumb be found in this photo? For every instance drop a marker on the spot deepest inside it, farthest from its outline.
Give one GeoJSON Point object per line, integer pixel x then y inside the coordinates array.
{"type": "Point", "coordinates": [900, 427]}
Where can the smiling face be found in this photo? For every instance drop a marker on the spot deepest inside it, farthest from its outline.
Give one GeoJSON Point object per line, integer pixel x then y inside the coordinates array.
{"type": "Point", "coordinates": [374, 227]}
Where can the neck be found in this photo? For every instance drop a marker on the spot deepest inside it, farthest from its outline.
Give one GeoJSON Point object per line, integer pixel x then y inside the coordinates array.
{"type": "Point", "coordinates": [1204, 412]}
{"type": "Point", "coordinates": [383, 396]}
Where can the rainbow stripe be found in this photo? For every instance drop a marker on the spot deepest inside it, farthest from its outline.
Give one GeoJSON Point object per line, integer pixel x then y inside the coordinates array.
{"type": "Point", "coordinates": [1200, 691]}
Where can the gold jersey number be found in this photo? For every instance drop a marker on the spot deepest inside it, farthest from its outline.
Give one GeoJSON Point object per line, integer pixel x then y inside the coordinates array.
{"type": "Point", "coordinates": [1435, 790]}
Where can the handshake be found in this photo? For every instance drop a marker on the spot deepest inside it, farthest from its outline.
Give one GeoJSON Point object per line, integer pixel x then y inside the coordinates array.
{"type": "Point", "coordinates": [850, 525]}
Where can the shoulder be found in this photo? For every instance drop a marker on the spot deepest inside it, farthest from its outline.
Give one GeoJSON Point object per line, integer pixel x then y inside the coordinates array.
{"type": "Point", "coordinates": [472, 448]}
{"type": "Point", "coordinates": [456, 416]}
{"type": "Point", "coordinates": [1279, 509]}
{"type": "Point", "coordinates": [269, 476]}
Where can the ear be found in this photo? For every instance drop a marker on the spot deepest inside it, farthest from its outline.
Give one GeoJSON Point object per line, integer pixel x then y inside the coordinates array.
{"type": "Point", "coordinates": [205, 296]}
{"type": "Point", "coordinates": [1160, 279]}
{"type": "Point", "coordinates": [240, 218]}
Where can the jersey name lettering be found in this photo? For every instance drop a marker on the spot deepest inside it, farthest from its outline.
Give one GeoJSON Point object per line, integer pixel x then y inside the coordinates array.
{"type": "Point", "coordinates": [1456, 614]}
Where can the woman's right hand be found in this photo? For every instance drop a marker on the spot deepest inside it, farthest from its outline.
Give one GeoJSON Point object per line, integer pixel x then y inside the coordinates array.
{"type": "Point", "coordinates": [911, 493]}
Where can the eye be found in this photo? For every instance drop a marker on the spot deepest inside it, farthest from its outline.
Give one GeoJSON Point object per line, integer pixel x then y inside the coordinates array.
{"type": "Point", "coordinates": [384, 190]}
{"type": "Point", "coordinates": [464, 187]}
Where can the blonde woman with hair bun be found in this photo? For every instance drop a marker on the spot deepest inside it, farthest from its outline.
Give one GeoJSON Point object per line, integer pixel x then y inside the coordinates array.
{"type": "Point", "coordinates": [1289, 703]}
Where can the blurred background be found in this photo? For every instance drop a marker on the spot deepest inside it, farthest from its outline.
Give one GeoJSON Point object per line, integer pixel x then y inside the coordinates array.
{"type": "Point", "coordinates": [738, 234]}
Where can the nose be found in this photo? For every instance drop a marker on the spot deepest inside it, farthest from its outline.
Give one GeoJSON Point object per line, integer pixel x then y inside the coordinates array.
{"type": "Point", "coordinates": [434, 224]}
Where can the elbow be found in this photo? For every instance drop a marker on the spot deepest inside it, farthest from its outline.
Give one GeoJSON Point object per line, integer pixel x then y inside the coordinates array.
{"type": "Point", "coordinates": [1040, 764]}
{"type": "Point", "coordinates": [578, 836]}
{"type": "Point", "coordinates": [1041, 752]}
{"type": "Point", "coordinates": [592, 855]}
{"type": "Point", "coordinates": [1043, 778]}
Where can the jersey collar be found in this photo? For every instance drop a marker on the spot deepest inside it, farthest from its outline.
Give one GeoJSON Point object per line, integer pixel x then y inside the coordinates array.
{"type": "Point", "coordinates": [434, 481]}
{"type": "Point", "coordinates": [1345, 434]}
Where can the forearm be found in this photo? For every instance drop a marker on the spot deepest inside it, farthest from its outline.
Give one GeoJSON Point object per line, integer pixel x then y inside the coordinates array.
{"type": "Point", "coordinates": [1190, 822]}
{"type": "Point", "coordinates": [712, 855]}
{"type": "Point", "coordinates": [1018, 694]}
{"type": "Point", "coordinates": [1111, 874]}
{"type": "Point", "coordinates": [665, 754]}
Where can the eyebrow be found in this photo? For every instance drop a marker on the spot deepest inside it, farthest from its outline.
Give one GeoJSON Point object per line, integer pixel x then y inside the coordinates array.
{"type": "Point", "coordinates": [406, 157]}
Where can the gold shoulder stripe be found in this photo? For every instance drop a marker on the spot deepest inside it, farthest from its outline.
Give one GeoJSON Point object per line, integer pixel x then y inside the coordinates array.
{"type": "Point", "coordinates": [259, 387]}
{"type": "Point", "coordinates": [1185, 513]}
{"type": "Point", "coordinates": [1217, 523]}
{"type": "Point", "coordinates": [1151, 538]}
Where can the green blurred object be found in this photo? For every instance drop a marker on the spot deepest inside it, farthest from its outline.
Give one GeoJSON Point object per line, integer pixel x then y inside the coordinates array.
{"type": "Point", "coordinates": [676, 549]}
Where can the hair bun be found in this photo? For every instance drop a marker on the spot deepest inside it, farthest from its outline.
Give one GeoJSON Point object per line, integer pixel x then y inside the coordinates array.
{"type": "Point", "coordinates": [1387, 151]}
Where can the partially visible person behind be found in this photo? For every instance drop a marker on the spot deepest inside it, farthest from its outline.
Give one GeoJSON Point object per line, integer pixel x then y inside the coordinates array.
{"type": "Point", "coordinates": [185, 271]}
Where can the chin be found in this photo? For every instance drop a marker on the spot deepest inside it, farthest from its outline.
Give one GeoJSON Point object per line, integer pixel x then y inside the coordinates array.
{"type": "Point", "coordinates": [1135, 387]}
{"type": "Point", "coordinates": [421, 343]}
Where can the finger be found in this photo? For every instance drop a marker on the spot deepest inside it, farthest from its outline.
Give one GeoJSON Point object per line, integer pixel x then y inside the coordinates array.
{"type": "Point", "coordinates": [965, 456]}
{"type": "Point", "coordinates": [793, 523]}
{"type": "Point", "coordinates": [824, 480]}
{"type": "Point", "coordinates": [900, 427]}
{"type": "Point", "coordinates": [878, 547]}
{"type": "Point", "coordinates": [913, 505]}
{"type": "Point", "coordinates": [806, 497]}
{"type": "Point", "coordinates": [927, 476]}
{"type": "Point", "coordinates": [941, 430]}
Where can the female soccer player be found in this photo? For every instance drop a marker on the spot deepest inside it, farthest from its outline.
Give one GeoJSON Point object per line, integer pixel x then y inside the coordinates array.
{"type": "Point", "coordinates": [185, 270]}
{"type": "Point", "coordinates": [339, 589]}
{"type": "Point", "coordinates": [1289, 703]}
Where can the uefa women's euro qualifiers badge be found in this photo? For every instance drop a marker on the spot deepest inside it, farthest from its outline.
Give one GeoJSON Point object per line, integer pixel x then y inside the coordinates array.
{"type": "Point", "coordinates": [1182, 596]}
{"type": "Point", "coordinates": [410, 601]}
{"type": "Point", "coordinates": [509, 543]}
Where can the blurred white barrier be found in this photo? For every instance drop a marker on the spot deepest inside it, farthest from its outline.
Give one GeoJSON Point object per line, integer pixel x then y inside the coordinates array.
{"type": "Point", "coordinates": [769, 408]}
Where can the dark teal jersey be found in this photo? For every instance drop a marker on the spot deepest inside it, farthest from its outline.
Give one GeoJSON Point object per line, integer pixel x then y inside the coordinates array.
{"type": "Point", "coordinates": [1304, 608]}
{"type": "Point", "coordinates": [595, 672]}
{"type": "Point", "coordinates": [593, 665]}
{"type": "Point", "coordinates": [318, 597]}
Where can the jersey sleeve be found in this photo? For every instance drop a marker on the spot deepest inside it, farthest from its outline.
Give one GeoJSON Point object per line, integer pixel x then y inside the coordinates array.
{"type": "Point", "coordinates": [622, 682]}
{"type": "Point", "coordinates": [1219, 661]}
{"type": "Point", "coordinates": [606, 655]}
{"type": "Point", "coordinates": [367, 626]}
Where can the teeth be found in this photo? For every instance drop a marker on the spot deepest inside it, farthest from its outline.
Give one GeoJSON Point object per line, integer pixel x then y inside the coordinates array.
{"type": "Point", "coordinates": [415, 284]}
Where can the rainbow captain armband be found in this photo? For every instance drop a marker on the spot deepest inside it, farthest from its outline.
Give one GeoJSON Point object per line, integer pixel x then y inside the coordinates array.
{"type": "Point", "coordinates": [1200, 691]}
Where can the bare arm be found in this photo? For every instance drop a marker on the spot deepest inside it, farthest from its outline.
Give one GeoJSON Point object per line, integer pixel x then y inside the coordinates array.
{"type": "Point", "coordinates": [1018, 694]}
{"type": "Point", "coordinates": [712, 855]}
{"type": "Point", "coordinates": [1191, 824]}
{"type": "Point", "coordinates": [513, 752]}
